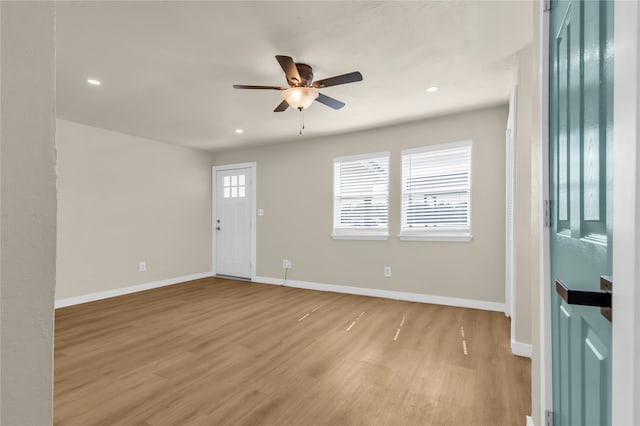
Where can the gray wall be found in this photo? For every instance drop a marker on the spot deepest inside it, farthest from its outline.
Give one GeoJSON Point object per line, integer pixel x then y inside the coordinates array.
{"type": "Point", "coordinates": [28, 212]}
{"type": "Point", "coordinates": [295, 189]}
{"type": "Point", "coordinates": [124, 199]}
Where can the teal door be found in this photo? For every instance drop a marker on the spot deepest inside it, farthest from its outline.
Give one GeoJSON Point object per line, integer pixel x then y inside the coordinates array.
{"type": "Point", "coordinates": [580, 146]}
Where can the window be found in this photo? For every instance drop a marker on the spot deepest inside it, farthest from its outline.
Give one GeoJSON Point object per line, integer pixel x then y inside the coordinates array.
{"type": "Point", "coordinates": [234, 186]}
{"type": "Point", "coordinates": [436, 193]}
{"type": "Point", "coordinates": [361, 197]}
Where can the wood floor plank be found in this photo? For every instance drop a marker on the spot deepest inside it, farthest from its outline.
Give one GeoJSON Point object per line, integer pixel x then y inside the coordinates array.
{"type": "Point", "coordinates": [223, 352]}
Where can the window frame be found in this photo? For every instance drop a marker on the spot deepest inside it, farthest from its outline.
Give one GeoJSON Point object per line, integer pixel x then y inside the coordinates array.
{"type": "Point", "coordinates": [433, 234]}
{"type": "Point", "coordinates": [360, 233]}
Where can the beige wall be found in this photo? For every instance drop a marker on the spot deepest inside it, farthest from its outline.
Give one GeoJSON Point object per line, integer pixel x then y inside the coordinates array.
{"type": "Point", "coordinates": [28, 212]}
{"type": "Point", "coordinates": [523, 216]}
{"type": "Point", "coordinates": [124, 199]}
{"type": "Point", "coordinates": [295, 189]}
{"type": "Point", "coordinates": [536, 213]}
{"type": "Point", "coordinates": [529, 206]}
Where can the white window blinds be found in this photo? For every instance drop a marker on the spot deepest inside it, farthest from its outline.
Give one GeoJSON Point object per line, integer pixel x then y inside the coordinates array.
{"type": "Point", "coordinates": [436, 190]}
{"type": "Point", "coordinates": [361, 196]}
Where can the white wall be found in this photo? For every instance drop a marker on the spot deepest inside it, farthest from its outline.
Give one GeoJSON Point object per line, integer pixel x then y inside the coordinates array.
{"type": "Point", "coordinates": [295, 189]}
{"type": "Point", "coordinates": [124, 199]}
{"type": "Point", "coordinates": [28, 212]}
{"type": "Point", "coordinates": [626, 216]}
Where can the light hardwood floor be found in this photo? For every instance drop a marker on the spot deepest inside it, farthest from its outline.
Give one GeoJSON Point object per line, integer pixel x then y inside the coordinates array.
{"type": "Point", "coordinates": [224, 352]}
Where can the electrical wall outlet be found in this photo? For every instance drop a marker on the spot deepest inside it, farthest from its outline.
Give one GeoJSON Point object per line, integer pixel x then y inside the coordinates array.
{"type": "Point", "coordinates": [286, 264]}
{"type": "Point", "coordinates": [387, 271]}
{"type": "Point", "coordinates": [142, 266]}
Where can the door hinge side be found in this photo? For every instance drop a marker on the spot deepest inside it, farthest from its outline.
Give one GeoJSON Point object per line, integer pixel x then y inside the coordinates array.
{"type": "Point", "coordinates": [547, 214]}
{"type": "Point", "coordinates": [548, 421]}
{"type": "Point", "coordinates": [547, 5]}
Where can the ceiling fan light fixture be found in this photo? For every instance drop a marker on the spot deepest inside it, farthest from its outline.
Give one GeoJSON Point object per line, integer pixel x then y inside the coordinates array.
{"type": "Point", "coordinates": [300, 97]}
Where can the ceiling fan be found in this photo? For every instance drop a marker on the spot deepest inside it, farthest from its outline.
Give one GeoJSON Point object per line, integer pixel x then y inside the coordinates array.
{"type": "Point", "coordinates": [302, 90]}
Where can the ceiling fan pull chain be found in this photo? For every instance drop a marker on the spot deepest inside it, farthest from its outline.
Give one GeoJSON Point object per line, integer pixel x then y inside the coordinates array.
{"type": "Point", "coordinates": [300, 119]}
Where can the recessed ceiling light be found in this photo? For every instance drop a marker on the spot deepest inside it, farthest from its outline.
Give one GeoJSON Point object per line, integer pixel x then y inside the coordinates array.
{"type": "Point", "coordinates": [239, 131]}
{"type": "Point", "coordinates": [432, 89]}
{"type": "Point", "coordinates": [94, 82]}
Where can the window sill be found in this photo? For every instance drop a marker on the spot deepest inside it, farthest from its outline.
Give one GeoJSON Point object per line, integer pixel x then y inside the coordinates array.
{"type": "Point", "coordinates": [436, 237]}
{"type": "Point", "coordinates": [360, 236]}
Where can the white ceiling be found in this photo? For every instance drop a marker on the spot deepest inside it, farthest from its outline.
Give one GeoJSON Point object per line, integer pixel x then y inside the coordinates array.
{"type": "Point", "coordinates": [168, 68]}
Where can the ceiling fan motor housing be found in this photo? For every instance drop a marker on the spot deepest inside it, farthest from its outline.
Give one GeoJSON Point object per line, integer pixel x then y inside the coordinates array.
{"type": "Point", "coordinates": [306, 75]}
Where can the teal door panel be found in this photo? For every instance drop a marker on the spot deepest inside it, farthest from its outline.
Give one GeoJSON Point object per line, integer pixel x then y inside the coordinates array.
{"type": "Point", "coordinates": [580, 146]}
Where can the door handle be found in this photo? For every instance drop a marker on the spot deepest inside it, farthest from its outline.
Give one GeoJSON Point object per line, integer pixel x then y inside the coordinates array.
{"type": "Point", "coordinates": [600, 298]}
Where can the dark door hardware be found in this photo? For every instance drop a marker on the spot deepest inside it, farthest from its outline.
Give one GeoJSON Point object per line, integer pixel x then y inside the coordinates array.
{"type": "Point", "coordinates": [600, 298]}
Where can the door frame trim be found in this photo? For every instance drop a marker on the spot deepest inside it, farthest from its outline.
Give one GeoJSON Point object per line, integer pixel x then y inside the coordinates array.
{"type": "Point", "coordinates": [625, 384]}
{"type": "Point", "coordinates": [214, 174]}
{"type": "Point", "coordinates": [625, 368]}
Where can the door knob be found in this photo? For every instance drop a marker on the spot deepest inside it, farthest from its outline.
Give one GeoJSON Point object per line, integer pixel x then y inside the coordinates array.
{"type": "Point", "coordinates": [600, 298]}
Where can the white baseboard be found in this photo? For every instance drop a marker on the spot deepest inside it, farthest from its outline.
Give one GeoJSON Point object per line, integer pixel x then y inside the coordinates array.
{"type": "Point", "coordinates": [388, 294]}
{"type": "Point", "coordinates": [126, 290]}
{"type": "Point", "coordinates": [530, 421]}
{"type": "Point", "coordinates": [521, 349]}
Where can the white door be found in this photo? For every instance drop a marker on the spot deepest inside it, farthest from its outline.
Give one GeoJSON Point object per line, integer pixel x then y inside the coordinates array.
{"type": "Point", "coordinates": [232, 222]}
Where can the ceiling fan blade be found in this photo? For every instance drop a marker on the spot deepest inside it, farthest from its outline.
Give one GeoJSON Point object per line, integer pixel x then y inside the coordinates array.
{"type": "Point", "coordinates": [329, 101]}
{"type": "Point", "coordinates": [281, 107]}
{"type": "Point", "coordinates": [245, 86]}
{"type": "Point", "coordinates": [289, 68]}
{"type": "Point", "coordinates": [339, 79]}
